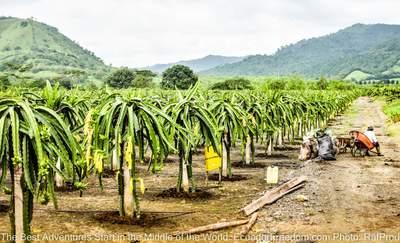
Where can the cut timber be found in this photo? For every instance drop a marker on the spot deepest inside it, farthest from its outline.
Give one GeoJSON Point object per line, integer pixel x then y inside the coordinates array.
{"type": "Point", "coordinates": [250, 224]}
{"type": "Point", "coordinates": [269, 152]}
{"type": "Point", "coordinates": [127, 191]}
{"type": "Point", "coordinates": [274, 194]}
{"type": "Point", "coordinates": [114, 163]}
{"type": "Point", "coordinates": [224, 167]}
{"type": "Point", "coordinates": [280, 137]}
{"type": "Point", "coordinates": [216, 226]}
{"type": "Point", "coordinates": [58, 178]}
{"type": "Point", "coordinates": [18, 204]}
{"type": "Point", "coordinates": [185, 176]}
{"type": "Point", "coordinates": [248, 151]}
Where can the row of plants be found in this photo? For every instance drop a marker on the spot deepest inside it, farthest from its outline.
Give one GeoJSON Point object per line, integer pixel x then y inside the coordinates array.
{"type": "Point", "coordinates": [391, 95]}
{"type": "Point", "coordinates": [53, 134]}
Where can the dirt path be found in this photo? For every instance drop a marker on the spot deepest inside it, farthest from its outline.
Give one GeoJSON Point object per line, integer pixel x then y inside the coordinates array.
{"type": "Point", "coordinates": [350, 195]}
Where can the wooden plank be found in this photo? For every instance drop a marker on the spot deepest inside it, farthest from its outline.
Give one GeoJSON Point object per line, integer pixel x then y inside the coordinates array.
{"type": "Point", "coordinates": [209, 227]}
{"type": "Point", "coordinates": [274, 194]}
{"type": "Point", "coordinates": [250, 224]}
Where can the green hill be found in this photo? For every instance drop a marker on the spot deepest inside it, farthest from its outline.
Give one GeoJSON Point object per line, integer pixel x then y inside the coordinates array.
{"type": "Point", "coordinates": [199, 64]}
{"type": "Point", "coordinates": [31, 49]}
{"type": "Point", "coordinates": [358, 52]}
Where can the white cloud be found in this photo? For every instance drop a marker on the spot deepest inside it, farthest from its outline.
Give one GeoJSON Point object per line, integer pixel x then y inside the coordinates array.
{"type": "Point", "coordinates": [143, 32]}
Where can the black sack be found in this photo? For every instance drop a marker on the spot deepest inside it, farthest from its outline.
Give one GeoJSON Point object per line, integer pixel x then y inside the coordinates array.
{"type": "Point", "coordinates": [326, 149]}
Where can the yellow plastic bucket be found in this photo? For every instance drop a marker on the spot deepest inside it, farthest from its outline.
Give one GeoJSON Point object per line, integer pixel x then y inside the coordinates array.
{"type": "Point", "coordinates": [212, 159]}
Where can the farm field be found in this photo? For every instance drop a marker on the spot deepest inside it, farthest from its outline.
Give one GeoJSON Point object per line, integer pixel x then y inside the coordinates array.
{"type": "Point", "coordinates": [349, 196]}
{"type": "Point", "coordinates": [199, 121]}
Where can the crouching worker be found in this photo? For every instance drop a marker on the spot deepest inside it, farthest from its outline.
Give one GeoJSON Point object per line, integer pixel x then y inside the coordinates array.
{"type": "Point", "coordinates": [372, 137]}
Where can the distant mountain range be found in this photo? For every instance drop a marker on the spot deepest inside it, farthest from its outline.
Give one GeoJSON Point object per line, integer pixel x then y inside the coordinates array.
{"type": "Point", "coordinates": [199, 64]}
{"type": "Point", "coordinates": [35, 50]}
{"type": "Point", "coordinates": [358, 52]}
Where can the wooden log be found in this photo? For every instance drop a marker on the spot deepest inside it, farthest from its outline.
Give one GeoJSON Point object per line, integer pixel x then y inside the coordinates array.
{"type": "Point", "coordinates": [18, 205]}
{"type": "Point", "coordinates": [248, 151]}
{"type": "Point", "coordinates": [58, 178]}
{"type": "Point", "coordinates": [274, 194]}
{"type": "Point", "coordinates": [224, 167]}
{"type": "Point", "coordinates": [250, 224]}
{"type": "Point", "coordinates": [216, 226]}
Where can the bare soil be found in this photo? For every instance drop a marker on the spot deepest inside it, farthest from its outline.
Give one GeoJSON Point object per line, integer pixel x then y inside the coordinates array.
{"type": "Point", "coordinates": [350, 195]}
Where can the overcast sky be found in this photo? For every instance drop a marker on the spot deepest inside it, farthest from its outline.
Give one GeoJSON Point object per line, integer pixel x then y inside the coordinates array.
{"type": "Point", "coordinates": [143, 32]}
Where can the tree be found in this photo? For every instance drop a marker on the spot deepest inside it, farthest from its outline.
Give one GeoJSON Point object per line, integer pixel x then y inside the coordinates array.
{"type": "Point", "coordinates": [233, 84]}
{"type": "Point", "coordinates": [277, 84]}
{"type": "Point", "coordinates": [121, 78]}
{"type": "Point", "coordinates": [72, 109]}
{"type": "Point", "coordinates": [340, 85]}
{"type": "Point", "coordinates": [231, 119]}
{"type": "Point", "coordinates": [178, 76]}
{"type": "Point", "coordinates": [31, 138]}
{"type": "Point", "coordinates": [190, 113]}
{"type": "Point", "coordinates": [146, 73]}
{"type": "Point", "coordinates": [295, 83]}
{"type": "Point", "coordinates": [4, 82]}
{"type": "Point", "coordinates": [37, 83]}
{"type": "Point", "coordinates": [142, 81]}
{"type": "Point", "coordinates": [322, 83]}
{"type": "Point", "coordinates": [66, 83]}
{"type": "Point", "coordinates": [124, 125]}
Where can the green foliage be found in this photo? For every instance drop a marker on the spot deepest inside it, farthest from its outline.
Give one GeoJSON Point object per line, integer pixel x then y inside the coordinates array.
{"type": "Point", "coordinates": [178, 76]}
{"type": "Point", "coordinates": [391, 93]}
{"type": "Point", "coordinates": [38, 83]}
{"type": "Point", "coordinates": [142, 81]}
{"type": "Point", "coordinates": [4, 81]}
{"type": "Point", "coordinates": [392, 109]}
{"type": "Point", "coordinates": [295, 83]}
{"type": "Point", "coordinates": [128, 123]}
{"type": "Point", "coordinates": [146, 73]}
{"type": "Point", "coordinates": [57, 123]}
{"type": "Point", "coordinates": [66, 83]}
{"type": "Point", "coordinates": [91, 86]}
{"type": "Point", "coordinates": [190, 113]}
{"type": "Point", "coordinates": [276, 84]}
{"type": "Point", "coordinates": [322, 83]}
{"type": "Point", "coordinates": [341, 85]}
{"type": "Point", "coordinates": [233, 84]}
{"type": "Point", "coordinates": [121, 78]}
{"type": "Point", "coordinates": [32, 138]}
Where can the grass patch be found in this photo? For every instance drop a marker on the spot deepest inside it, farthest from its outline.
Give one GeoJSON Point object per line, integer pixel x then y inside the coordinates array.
{"type": "Point", "coordinates": [393, 130]}
{"type": "Point", "coordinates": [392, 110]}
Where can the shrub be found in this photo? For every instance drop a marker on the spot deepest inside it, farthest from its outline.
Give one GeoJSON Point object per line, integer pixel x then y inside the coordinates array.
{"type": "Point", "coordinates": [178, 76]}
{"type": "Point", "coordinates": [4, 82]}
{"type": "Point", "coordinates": [233, 84]}
{"type": "Point", "coordinates": [141, 81]}
{"type": "Point", "coordinates": [121, 78]}
{"type": "Point", "coordinates": [322, 83]}
{"type": "Point", "coordinates": [277, 84]}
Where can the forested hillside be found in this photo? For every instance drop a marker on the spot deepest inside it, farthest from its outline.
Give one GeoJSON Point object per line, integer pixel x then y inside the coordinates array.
{"type": "Point", "coordinates": [371, 50]}
{"type": "Point", "coordinates": [199, 64]}
{"type": "Point", "coordinates": [34, 50]}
